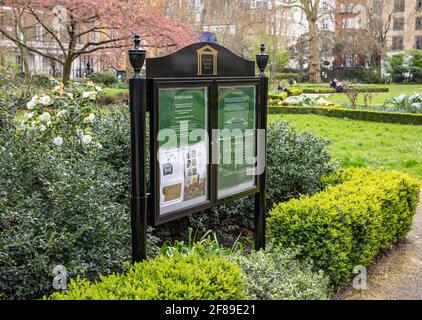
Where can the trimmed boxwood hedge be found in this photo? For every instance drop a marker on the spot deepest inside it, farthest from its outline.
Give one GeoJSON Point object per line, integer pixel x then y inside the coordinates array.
{"type": "Point", "coordinates": [193, 277]}
{"type": "Point", "coordinates": [366, 115]}
{"type": "Point", "coordinates": [359, 89]}
{"type": "Point", "coordinates": [349, 223]}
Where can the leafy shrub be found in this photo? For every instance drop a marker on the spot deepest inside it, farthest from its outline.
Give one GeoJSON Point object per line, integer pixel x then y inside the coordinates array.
{"type": "Point", "coordinates": [360, 89]}
{"type": "Point", "coordinates": [296, 162]}
{"type": "Point", "coordinates": [277, 98]}
{"type": "Point", "coordinates": [118, 98]}
{"type": "Point", "coordinates": [288, 75]}
{"type": "Point", "coordinates": [366, 115]}
{"type": "Point", "coordinates": [190, 277]}
{"type": "Point", "coordinates": [295, 91]}
{"type": "Point", "coordinates": [63, 203]}
{"type": "Point", "coordinates": [348, 224]}
{"type": "Point", "coordinates": [106, 78]}
{"type": "Point", "coordinates": [42, 81]}
{"type": "Point", "coordinates": [277, 275]}
{"type": "Point", "coordinates": [405, 103]}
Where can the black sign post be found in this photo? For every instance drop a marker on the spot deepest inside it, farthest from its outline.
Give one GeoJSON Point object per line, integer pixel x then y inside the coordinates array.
{"type": "Point", "coordinates": [137, 91]}
{"type": "Point", "coordinates": [208, 89]}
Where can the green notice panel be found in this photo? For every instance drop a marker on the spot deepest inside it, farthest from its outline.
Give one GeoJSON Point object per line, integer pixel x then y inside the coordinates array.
{"type": "Point", "coordinates": [237, 141]}
{"type": "Point", "coordinates": [183, 148]}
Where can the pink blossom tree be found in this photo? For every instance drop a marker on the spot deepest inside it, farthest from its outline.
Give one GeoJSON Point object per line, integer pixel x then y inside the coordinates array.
{"type": "Point", "coordinates": [72, 28]}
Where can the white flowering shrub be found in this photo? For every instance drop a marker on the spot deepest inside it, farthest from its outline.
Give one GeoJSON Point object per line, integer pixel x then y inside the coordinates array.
{"type": "Point", "coordinates": [405, 103]}
{"type": "Point", "coordinates": [63, 117]}
{"type": "Point", "coordinates": [278, 275]}
{"type": "Point", "coordinates": [63, 200]}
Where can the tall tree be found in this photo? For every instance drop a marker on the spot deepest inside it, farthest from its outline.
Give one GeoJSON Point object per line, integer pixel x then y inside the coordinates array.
{"type": "Point", "coordinates": [72, 28]}
{"type": "Point", "coordinates": [313, 12]}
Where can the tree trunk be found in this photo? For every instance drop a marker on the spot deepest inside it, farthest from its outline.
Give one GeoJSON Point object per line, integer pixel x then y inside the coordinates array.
{"type": "Point", "coordinates": [314, 59]}
{"type": "Point", "coordinates": [25, 61]}
{"type": "Point", "coordinates": [67, 70]}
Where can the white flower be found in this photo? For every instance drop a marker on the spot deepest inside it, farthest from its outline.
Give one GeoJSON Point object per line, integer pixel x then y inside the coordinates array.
{"type": "Point", "coordinates": [98, 88]}
{"type": "Point", "coordinates": [89, 95]}
{"type": "Point", "coordinates": [89, 119]}
{"type": "Point", "coordinates": [58, 141]}
{"type": "Point", "coordinates": [29, 115]}
{"type": "Point", "coordinates": [416, 106]}
{"type": "Point", "coordinates": [70, 96]}
{"type": "Point", "coordinates": [45, 117]}
{"type": "Point", "coordinates": [45, 100]}
{"type": "Point", "coordinates": [62, 113]}
{"type": "Point", "coordinates": [99, 145]}
{"type": "Point", "coordinates": [31, 104]}
{"type": "Point", "coordinates": [42, 128]}
{"type": "Point", "coordinates": [86, 139]}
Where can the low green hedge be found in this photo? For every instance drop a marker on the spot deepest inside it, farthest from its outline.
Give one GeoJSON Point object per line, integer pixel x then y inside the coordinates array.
{"type": "Point", "coordinates": [288, 76]}
{"type": "Point", "coordinates": [193, 277]}
{"type": "Point", "coordinates": [330, 90]}
{"type": "Point", "coordinates": [367, 115]}
{"type": "Point", "coordinates": [349, 223]}
{"type": "Point", "coordinates": [277, 98]}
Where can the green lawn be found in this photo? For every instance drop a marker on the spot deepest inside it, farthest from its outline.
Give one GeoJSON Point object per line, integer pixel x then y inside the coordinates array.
{"type": "Point", "coordinates": [364, 143]}
{"type": "Point", "coordinates": [378, 98]}
{"type": "Point", "coordinates": [114, 91]}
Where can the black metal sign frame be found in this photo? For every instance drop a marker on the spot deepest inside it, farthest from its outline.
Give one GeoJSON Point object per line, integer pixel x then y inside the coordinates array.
{"type": "Point", "coordinates": [183, 70]}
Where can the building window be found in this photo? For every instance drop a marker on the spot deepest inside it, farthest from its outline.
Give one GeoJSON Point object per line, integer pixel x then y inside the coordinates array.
{"type": "Point", "coordinates": [418, 5]}
{"type": "Point", "coordinates": [397, 43]}
{"type": "Point", "coordinates": [399, 5]}
{"type": "Point", "coordinates": [348, 23]}
{"type": "Point", "coordinates": [418, 42]}
{"type": "Point", "coordinates": [418, 23]}
{"type": "Point", "coordinates": [378, 6]}
{"type": "Point", "coordinates": [259, 4]}
{"type": "Point", "coordinates": [398, 24]}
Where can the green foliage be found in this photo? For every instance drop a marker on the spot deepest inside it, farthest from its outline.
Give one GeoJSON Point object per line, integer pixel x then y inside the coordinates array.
{"type": "Point", "coordinates": [295, 91]}
{"type": "Point", "coordinates": [405, 66]}
{"type": "Point", "coordinates": [404, 103]}
{"type": "Point", "coordinates": [105, 78]}
{"type": "Point", "coordinates": [333, 91]}
{"type": "Point", "coordinates": [191, 277]}
{"type": "Point", "coordinates": [288, 76]}
{"type": "Point", "coordinates": [208, 246]}
{"type": "Point", "coordinates": [277, 98]}
{"type": "Point", "coordinates": [275, 274]}
{"type": "Point", "coordinates": [296, 162]}
{"type": "Point", "coordinates": [63, 204]}
{"type": "Point", "coordinates": [348, 224]}
{"type": "Point", "coordinates": [42, 81]}
{"type": "Point", "coordinates": [367, 115]}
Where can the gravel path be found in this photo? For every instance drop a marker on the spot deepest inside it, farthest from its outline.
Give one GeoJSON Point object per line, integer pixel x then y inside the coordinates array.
{"type": "Point", "coordinates": [396, 275]}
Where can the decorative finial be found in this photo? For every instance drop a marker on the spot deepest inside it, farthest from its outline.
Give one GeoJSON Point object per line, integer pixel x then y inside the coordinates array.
{"type": "Point", "coordinates": [137, 41]}
{"type": "Point", "coordinates": [262, 61]}
{"type": "Point", "coordinates": [137, 56]}
{"type": "Point", "coordinates": [262, 48]}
